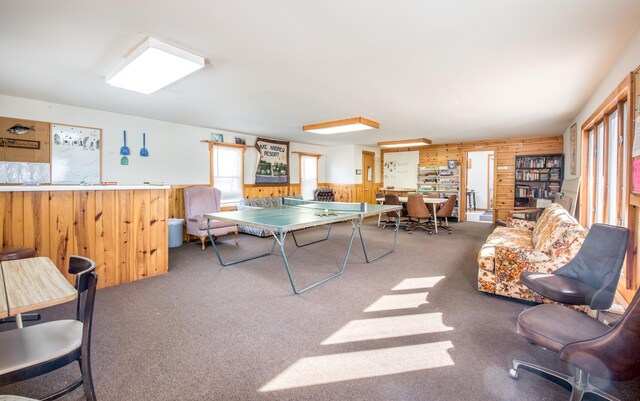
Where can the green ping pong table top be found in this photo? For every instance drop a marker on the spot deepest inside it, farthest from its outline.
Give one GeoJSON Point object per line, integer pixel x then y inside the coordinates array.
{"type": "Point", "coordinates": [302, 215]}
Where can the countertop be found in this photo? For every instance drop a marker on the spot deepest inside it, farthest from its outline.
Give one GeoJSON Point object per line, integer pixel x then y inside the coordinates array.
{"type": "Point", "coordinates": [46, 188]}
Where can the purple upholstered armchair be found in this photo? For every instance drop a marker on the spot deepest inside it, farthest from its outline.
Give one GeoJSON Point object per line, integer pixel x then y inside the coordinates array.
{"type": "Point", "coordinates": [197, 202]}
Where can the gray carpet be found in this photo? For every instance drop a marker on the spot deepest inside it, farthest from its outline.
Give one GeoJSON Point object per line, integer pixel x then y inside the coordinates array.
{"type": "Point", "coordinates": [202, 332]}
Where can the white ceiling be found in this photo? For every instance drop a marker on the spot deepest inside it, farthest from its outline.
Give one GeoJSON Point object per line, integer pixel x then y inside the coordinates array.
{"type": "Point", "coordinates": [445, 70]}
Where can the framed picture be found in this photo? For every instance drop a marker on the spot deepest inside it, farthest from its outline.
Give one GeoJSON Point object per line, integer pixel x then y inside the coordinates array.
{"type": "Point", "coordinates": [573, 148]}
{"type": "Point", "coordinates": [273, 163]}
{"type": "Point", "coordinates": [217, 137]}
{"type": "Point", "coordinates": [240, 141]}
{"type": "Point", "coordinates": [452, 164]}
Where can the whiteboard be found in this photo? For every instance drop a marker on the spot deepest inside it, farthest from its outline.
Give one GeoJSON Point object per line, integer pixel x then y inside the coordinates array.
{"type": "Point", "coordinates": [75, 154]}
{"type": "Point", "coordinates": [401, 169]}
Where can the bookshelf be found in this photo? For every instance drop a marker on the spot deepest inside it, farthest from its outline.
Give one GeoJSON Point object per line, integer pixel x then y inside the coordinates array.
{"type": "Point", "coordinates": [441, 180]}
{"type": "Point", "coordinates": [537, 176]}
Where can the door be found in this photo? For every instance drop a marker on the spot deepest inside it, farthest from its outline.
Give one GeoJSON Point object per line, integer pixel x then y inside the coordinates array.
{"type": "Point", "coordinates": [368, 177]}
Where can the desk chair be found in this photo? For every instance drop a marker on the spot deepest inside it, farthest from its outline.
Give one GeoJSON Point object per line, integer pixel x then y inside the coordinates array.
{"type": "Point", "coordinates": [7, 254]}
{"type": "Point", "coordinates": [446, 211]}
{"type": "Point", "coordinates": [392, 199]}
{"type": "Point", "coordinates": [592, 275]}
{"type": "Point", "coordinates": [419, 214]}
{"type": "Point", "coordinates": [588, 345]}
{"type": "Point", "coordinates": [36, 350]}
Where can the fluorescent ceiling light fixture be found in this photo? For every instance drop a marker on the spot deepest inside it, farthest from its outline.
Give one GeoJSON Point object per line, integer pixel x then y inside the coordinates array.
{"type": "Point", "coordinates": [342, 126]}
{"type": "Point", "coordinates": [407, 143]}
{"type": "Point", "coordinates": [154, 65]}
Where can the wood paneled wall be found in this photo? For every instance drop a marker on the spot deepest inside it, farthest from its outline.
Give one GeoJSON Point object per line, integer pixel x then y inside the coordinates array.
{"type": "Point", "coordinates": [505, 150]}
{"type": "Point", "coordinates": [343, 193]}
{"type": "Point", "coordinates": [124, 232]}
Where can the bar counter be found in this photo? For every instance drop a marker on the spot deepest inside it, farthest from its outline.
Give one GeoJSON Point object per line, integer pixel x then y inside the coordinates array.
{"type": "Point", "coordinates": [122, 228]}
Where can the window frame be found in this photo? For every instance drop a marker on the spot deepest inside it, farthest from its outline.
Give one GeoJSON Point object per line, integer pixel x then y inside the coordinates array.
{"type": "Point", "coordinates": [242, 149]}
{"type": "Point", "coordinates": [310, 155]}
{"type": "Point", "coordinates": [615, 102]}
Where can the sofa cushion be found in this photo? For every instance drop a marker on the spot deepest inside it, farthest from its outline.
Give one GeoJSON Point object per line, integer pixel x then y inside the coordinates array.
{"type": "Point", "coordinates": [555, 229]}
{"type": "Point", "coordinates": [505, 236]}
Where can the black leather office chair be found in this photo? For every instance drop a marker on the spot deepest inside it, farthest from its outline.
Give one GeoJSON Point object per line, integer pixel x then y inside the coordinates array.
{"type": "Point", "coordinates": [588, 345]}
{"type": "Point", "coordinates": [592, 276]}
{"type": "Point", "coordinates": [36, 350]}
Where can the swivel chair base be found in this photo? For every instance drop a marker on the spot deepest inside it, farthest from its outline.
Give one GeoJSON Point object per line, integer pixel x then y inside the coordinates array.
{"type": "Point", "coordinates": [578, 385]}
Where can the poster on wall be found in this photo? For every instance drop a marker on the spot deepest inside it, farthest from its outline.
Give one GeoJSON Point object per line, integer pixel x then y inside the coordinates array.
{"type": "Point", "coordinates": [75, 154]}
{"type": "Point", "coordinates": [273, 163]}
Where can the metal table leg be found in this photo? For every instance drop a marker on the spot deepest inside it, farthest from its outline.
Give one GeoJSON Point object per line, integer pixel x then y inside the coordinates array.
{"type": "Point", "coordinates": [235, 262]}
{"type": "Point", "coordinates": [280, 238]}
{"type": "Point", "coordinates": [364, 248]}
{"type": "Point", "coordinates": [435, 218]}
{"type": "Point", "coordinates": [293, 234]}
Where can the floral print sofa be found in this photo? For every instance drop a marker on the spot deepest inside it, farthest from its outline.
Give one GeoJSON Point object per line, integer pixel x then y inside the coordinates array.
{"type": "Point", "coordinates": [541, 246]}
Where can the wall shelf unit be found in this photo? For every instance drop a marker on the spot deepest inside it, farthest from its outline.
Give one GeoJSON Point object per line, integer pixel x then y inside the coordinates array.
{"type": "Point", "coordinates": [440, 180]}
{"type": "Point", "coordinates": [537, 176]}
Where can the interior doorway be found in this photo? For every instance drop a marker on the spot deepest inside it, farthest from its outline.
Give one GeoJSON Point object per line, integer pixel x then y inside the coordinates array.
{"type": "Point", "coordinates": [368, 176]}
{"type": "Point", "coordinates": [480, 181]}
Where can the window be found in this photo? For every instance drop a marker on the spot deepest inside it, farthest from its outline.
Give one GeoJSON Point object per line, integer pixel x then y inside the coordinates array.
{"type": "Point", "coordinates": [227, 172]}
{"type": "Point", "coordinates": [308, 175]}
{"type": "Point", "coordinates": [605, 165]}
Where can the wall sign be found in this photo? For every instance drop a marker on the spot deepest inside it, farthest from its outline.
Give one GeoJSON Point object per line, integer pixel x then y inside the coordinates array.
{"type": "Point", "coordinates": [273, 164]}
{"type": "Point", "coordinates": [75, 154]}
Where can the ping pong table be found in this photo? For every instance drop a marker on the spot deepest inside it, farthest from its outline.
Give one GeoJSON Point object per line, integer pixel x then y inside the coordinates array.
{"type": "Point", "coordinates": [297, 214]}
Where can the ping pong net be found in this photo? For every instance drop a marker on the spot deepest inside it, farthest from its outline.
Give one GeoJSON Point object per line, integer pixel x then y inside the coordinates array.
{"type": "Point", "coordinates": [341, 207]}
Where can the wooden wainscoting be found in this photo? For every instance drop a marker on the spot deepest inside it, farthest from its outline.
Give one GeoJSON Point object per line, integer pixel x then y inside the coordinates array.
{"type": "Point", "coordinates": [343, 193]}
{"type": "Point", "coordinates": [123, 231]}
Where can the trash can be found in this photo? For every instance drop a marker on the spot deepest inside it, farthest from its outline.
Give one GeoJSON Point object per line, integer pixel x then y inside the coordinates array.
{"type": "Point", "coordinates": [175, 232]}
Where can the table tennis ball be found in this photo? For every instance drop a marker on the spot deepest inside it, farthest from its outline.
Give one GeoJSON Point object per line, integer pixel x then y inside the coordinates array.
{"type": "Point", "coordinates": [326, 210]}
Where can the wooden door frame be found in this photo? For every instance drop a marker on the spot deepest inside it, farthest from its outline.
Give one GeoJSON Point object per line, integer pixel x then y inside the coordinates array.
{"type": "Point", "coordinates": [491, 156]}
{"type": "Point", "coordinates": [462, 205]}
{"type": "Point", "coordinates": [373, 173]}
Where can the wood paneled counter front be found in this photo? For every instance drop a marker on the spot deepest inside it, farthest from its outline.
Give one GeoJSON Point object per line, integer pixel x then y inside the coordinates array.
{"type": "Point", "coordinates": [122, 228]}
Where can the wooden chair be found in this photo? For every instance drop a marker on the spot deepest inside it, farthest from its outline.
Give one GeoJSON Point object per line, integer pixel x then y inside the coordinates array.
{"type": "Point", "coordinates": [419, 215]}
{"type": "Point", "coordinates": [36, 350]}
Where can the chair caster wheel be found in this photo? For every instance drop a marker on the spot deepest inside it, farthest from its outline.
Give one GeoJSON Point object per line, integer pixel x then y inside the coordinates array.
{"type": "Point", "coordinates": [449, 232]}
{"type": "Point", "coordinates": [513, 374]}
{"type": "Point", "coordinates": [430, 233]}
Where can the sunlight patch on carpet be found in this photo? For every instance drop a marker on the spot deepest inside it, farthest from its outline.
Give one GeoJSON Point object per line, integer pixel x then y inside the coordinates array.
{"type": "Point", "coordinates": [388, 327]}
{"type": "Point", "coordinates": [402, 301]}
{"type": "Point", "coordinates": [334, 368]}
{"type": "Point", "coordinates": [416, 283]}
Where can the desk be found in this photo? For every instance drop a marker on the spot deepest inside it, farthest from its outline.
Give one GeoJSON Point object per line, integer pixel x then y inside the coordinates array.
{"type": "Point", "coordinates": [433, 201]}
{"type": "Point", "coordinates": [297, 214]}
{"type": "Point", "coordinates": [32, 284]}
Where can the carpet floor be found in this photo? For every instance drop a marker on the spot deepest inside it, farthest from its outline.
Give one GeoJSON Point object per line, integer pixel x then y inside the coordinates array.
{"type": "Point", "coordinates": [410, 326]}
